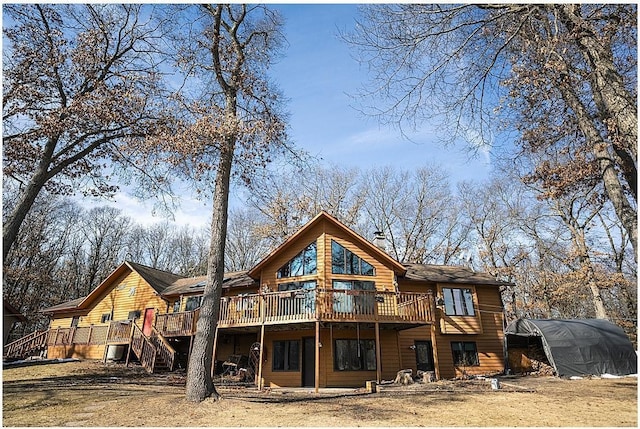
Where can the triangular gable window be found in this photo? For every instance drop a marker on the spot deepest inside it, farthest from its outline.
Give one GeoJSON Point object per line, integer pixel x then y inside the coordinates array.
{"type": "Point", "coordinates": [303, 264]}
{"type": "Point", "coordinates": [344, 261]}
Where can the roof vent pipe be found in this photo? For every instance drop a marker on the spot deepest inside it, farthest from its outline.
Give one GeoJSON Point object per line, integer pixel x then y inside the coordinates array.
{"type": "Point", "coordinates": [380, 241]}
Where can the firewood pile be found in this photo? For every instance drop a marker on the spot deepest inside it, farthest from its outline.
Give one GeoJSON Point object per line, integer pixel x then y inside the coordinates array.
{"type": "Point", "coordinates": [539, 363]}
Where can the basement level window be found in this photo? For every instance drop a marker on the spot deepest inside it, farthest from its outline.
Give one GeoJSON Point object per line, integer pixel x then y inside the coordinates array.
{"type": "Point", "coordinates": [286, 355]}
{"type": "Point", "coordinates": [354, 355]}
{"type": "Point", "coordinates": [465, 353]}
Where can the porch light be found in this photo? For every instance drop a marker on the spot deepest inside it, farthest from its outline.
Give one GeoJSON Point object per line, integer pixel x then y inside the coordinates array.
{"type": "Point", "coordinates": [412, 347]}
{"type": "Point", "coordinates": [439, 301]}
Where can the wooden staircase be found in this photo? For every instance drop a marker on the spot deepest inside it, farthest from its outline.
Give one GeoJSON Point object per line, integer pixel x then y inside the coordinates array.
{"type": "Point", "coordinates": [154, 351]}
{"type": "Point", "coordinates": [26, 346]}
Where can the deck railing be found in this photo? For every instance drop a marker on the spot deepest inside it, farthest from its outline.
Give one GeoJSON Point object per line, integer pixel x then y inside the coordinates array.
{"type": "Point", "coordinates": [177, 324]}
{"type": "Point", "coordinates": [120, 332]}
{"type": "Point", "coordinates": [326, 305]}
{"type": "Point", "coordinates": [24, 346]}
{"type": "Point", "coordinates": [78, 335]}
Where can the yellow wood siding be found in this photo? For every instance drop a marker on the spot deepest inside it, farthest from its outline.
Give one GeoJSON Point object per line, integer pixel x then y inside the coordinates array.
{"type": "Point", "coordinates": [128, 293]}
{"type": "Point", "coordinates": [61, 322]}
{"type": "Point", "coordinates": [76, 351]}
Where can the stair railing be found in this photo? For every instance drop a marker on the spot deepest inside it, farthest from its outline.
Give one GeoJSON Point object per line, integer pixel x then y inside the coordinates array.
{"type": "Point", "coordinates": [143, 348]}
{"type": "Point", "coordinates": [163, 348]}
{"type": "Point", "coordinates": [25, 345]}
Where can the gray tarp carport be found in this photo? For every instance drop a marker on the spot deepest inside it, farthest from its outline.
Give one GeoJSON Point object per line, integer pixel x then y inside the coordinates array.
{"type": "Point", "coordinates": [580, 346]}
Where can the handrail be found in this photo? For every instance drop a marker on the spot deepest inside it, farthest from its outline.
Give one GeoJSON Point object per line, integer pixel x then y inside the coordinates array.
{"type": "Point", "coordinates": [26, 344]}
{"type": "Point", "coordinates": [143, 348]}
{"type": "Point", "coordinates": [163, 348]}
{"type": "Point", "coordinates": [327, 305]}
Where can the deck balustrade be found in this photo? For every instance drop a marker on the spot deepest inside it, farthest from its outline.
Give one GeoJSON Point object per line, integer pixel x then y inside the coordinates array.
{"type": "Point", "coordinates": [306, 305]}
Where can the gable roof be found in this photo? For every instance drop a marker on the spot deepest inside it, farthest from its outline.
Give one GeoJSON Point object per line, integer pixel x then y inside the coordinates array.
{"type": "Point", "coordinates": [10, 310]}
{"type": "Point", "coordinates": [449, 274]}
{"type": "Point", "coordinates": [157, 279]}
{"type": "Point", "coordinates": [357, 239]}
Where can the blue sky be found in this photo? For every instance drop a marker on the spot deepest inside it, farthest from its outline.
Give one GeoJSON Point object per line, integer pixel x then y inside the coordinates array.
{"type": "Point", "coordinates": [316, 75]}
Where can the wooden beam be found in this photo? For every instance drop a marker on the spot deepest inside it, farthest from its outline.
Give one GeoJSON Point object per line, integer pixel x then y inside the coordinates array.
{"type": "Point", "coordinates": [378, 363]}
{"type": "Point", "coordinates": [213, 356]}
{"type": "Point", "coordinates": [261, 357]}
{"type": "Point", "coordinates": [317, 369]}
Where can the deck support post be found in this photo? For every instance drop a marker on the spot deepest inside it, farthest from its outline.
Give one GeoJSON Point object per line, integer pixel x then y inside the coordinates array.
{"type": "Point", "coordinates": [317, 368]}
{"type": "Point", "coordinates": [130, 342]}
{"type": "Point", "coordinates": [378, 363]}
{"type": "Point", "coordinates": [260, 386]}
{"type": "Point", "coordinates": [106, 344]}
{"type": "Point", "coordinates": [215, 349]}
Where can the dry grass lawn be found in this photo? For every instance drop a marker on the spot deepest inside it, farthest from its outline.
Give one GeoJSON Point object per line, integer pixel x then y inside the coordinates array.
{"type": "Point", "coordinates": [92, 394]}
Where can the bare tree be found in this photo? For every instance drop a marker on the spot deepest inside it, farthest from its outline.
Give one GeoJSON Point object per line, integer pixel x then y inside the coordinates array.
{"type": "Point", "coordinates": [245, 243]}
{"type": "Point", "coordinates": [559, 77]}
{"type": "Point", "coordinates": [232, 124]}
{"type": "Point", "coordinates": [79, 82]}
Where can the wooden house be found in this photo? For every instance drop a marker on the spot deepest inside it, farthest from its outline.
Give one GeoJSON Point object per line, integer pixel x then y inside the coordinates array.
{"type": "Point", "coordinates": [327, 308]}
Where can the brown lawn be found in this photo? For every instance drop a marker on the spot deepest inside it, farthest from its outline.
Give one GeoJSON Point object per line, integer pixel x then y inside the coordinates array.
{"type": "Point", "coordinates": [92, 394]}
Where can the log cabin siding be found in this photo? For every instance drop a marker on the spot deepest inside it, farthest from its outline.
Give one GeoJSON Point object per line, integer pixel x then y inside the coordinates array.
{"type": "Point", "coordinates": [489, 344]}
{"type": "Point", "coordinates": [460, 324]}
{"type": "Point", "coordinates": [76, 351]}
{"type": "Point", "coordinates": [384, 277]}
{"type": "Point", "coordinates": [128, 293]}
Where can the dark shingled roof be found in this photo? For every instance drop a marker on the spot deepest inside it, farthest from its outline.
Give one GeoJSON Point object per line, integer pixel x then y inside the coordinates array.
{"type": "Point", "coordinates": [158, 280]}
{"type": "Point", "coordinates": [449, 274]}
{"type": "Point", "coordinates": [69, 305]}
{"type": "Point", "coordinates": [234, 279]}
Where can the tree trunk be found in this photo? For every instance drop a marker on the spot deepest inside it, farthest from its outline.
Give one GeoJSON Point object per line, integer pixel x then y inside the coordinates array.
{"type": "Point", "coordinates": [600, 148]}
{"type": "Point", "coordinates": [199, 381]}
{"type": "Point", "coordinates": [11, 227]}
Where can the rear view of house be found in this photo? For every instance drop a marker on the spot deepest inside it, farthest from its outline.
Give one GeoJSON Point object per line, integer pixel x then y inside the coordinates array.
{"type": "Point", "coordinates": [327, 308]}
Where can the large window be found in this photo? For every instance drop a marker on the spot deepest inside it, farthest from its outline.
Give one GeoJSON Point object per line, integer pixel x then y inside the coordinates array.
{"type": "Point", "coordinates": [286, 355]}
{"type": "Point", "coordinates": [465, 353]}
{"type": "Point", "coordinates": [360, 303]}
{"type": "Point", "coordinates": [355, 355]}
{"type": "Point", "coordinates": [343, 261]}
{"type": "Point", "coordinates": [305, 295]}
{"type": "Point", "coordinates": [192, 303]}
{"type": "Point", "coordinates": [458, 302]}
{"type": "Point", "coordinates": [303, 264]}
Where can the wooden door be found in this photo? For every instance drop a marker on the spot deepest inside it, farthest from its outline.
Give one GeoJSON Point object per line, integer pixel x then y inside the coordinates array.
{"type": "Point", "coordinates": [149, 315]}
{"type": "Point", "coordinates": [424, 355]}
{"type": "Point", "coordinates": [309, 362]}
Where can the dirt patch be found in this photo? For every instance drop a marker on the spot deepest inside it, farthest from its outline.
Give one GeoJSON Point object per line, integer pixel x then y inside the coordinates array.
{"type": "Point", "coordinates": [92, 394]}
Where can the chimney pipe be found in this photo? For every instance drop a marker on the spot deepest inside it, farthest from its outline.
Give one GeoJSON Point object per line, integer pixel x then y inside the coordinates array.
{"type": "Point", "coordinates": [380, 241]}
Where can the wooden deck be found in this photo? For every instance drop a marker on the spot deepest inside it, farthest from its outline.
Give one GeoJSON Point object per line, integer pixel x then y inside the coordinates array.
{"type": "Point", "coordinates": [312, 305]}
